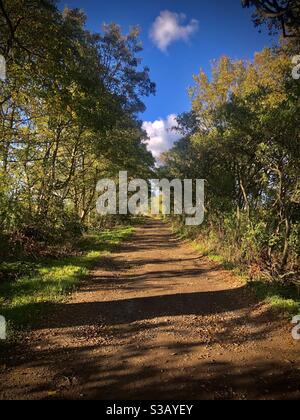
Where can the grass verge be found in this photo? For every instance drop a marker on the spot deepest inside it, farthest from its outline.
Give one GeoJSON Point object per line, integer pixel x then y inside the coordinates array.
{"type": "Point", "coordinates": [278, 296]}
{"type": "Point", "coordinates": [23, 301]}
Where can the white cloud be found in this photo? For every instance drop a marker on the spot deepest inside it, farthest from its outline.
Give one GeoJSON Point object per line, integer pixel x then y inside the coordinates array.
{"type": "Point", "coordinates": [162, 135]}
{"type": "Point", "coordinates": [169, 27]}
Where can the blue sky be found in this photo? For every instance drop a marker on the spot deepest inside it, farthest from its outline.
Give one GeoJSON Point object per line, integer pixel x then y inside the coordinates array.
{"type": "Point", "coordinates": [211, 29]}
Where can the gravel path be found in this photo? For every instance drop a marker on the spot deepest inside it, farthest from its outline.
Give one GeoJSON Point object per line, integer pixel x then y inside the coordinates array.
{"type": "Point", "coordinates": [156, 321]}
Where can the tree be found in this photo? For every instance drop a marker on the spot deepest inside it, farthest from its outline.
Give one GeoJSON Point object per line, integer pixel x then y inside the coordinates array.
{"type": "Point", "coordinates": [68, 116]}
{"type": "Point", "coordinates": [244, 141]}
{"type": "Point", "coordinates": [284, 14]}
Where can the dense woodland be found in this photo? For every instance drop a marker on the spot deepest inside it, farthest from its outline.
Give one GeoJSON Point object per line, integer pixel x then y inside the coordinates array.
{"type": "Point", "coordinates": [242, 137]}
{"type": "Point", "coordinates": [69, 117]}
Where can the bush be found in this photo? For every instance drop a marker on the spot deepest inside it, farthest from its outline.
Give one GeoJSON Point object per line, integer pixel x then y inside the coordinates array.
{"type": "Point", "coordinates": [15, 270]}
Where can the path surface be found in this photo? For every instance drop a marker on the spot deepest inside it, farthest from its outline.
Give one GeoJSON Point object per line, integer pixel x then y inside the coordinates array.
{"type": "Point", "coordinates": [157, 321]}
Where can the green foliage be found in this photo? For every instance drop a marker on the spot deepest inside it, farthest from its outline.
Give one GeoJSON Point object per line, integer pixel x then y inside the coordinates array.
{"type": "Point", "coordinates": [36, 286]}
{"type": "Point", "coordinates": [282, 15]}
{"type": "Point", "coordinates": [15, 270]}
{"type": "Point", "coordinates": [242, 137]}
{"type": "Point", "coordinates": [68, 117]}
{"type": "Point", "coordinates": [278, 297]}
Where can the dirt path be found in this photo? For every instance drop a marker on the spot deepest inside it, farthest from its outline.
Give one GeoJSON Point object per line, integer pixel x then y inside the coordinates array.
{"type": "Point", "coordinates": [156, 321]}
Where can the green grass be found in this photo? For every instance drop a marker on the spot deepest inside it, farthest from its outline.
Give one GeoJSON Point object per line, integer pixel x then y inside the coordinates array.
{"type": "Point", "coordinates": [211, 255]}
{"type": "Point", "coordinates": [278, 296]}
{"type": "Point", "coordinates": [23, 301]}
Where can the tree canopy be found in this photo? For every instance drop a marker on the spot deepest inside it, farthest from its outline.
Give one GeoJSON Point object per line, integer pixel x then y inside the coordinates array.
{"type": "Point", "coordinates": [242, 137]}
{"type": "Point", "coordinates": [283, 14]}
{"type": "Point", "coordinates": [68, 115]}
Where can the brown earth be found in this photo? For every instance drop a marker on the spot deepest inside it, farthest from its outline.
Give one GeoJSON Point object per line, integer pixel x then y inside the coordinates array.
{"type": "Point", "coordinates": [156, 321]}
